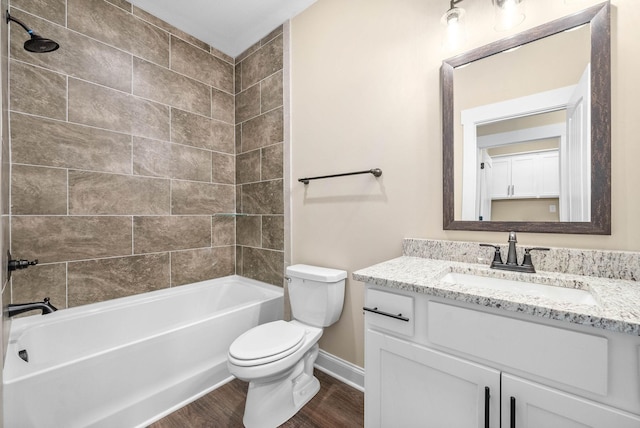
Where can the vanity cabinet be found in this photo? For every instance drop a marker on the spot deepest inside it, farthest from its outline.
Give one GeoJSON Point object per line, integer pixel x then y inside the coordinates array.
{"type": "Point", "coordinates": [432, 363]}
{"type": "Point", "coordinates": [533, 175]}
{"type": "Point", "coordinates": [408, 385]}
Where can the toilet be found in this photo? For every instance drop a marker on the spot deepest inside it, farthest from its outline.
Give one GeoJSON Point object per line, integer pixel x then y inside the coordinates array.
{"type": "Point", "coordinates": [277, 358]}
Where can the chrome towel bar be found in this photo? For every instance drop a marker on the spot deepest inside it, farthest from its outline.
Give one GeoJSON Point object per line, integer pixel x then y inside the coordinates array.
{"type": "Point", "coordinates": [377, 172]}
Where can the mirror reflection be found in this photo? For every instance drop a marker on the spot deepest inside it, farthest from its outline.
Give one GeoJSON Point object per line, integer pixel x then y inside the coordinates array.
{"type": "Point", "coordinates": [521, 132]}
{"type": "Point", "coordinates": [519, 177]}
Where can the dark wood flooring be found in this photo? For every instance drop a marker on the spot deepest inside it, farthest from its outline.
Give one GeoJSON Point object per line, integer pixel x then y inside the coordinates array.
{"type": "Point", "coordinates": [336, 405]}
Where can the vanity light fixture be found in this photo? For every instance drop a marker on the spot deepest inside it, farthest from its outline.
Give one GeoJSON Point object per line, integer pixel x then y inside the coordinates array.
{"type": "Point", "coordinates": [454, 28]}
{"type": "Point", "coordinates": [508, 13]}
{"type": "Point", "coordinates": [454, 16]}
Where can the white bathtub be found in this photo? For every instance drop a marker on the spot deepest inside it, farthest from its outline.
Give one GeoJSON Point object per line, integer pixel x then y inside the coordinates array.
{"type": "Point", "coordinates": [128, 362]}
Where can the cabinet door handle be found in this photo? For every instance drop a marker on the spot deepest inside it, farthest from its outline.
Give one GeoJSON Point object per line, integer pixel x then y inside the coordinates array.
{"type": "Point", "coordinates": [512, 413]}
{"type": "Point", "coordinates": [386, 314]}
{"type": "Point", "coordinates": [487, 396]}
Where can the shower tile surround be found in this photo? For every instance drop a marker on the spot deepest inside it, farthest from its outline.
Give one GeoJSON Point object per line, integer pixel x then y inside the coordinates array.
{"type": "Point", "coordinates": [259, 168]}
{"type": "Point", "coordinates": [128, 145]}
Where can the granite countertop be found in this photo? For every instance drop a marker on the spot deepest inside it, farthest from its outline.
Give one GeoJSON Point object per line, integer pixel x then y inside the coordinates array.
{"type": "Point", "coordinates": [618, 301]}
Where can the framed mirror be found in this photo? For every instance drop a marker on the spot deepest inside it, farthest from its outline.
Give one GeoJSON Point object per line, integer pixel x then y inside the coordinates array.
{"type": "Point", "coordinates": [527, 130]}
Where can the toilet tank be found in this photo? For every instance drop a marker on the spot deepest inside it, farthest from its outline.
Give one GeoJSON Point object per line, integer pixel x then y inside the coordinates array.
{"type": "Point", "coordinates": [316, 294]}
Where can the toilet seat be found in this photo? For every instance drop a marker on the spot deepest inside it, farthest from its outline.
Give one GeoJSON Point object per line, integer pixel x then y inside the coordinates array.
{"type": "Point", "coordinates": [266, 343]}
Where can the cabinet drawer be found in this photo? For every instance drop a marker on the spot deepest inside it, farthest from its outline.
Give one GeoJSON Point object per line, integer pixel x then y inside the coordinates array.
{"type": "Point", "coordinates": [385, 310]}
{"type": "Point", "coordinates": [576, 359]}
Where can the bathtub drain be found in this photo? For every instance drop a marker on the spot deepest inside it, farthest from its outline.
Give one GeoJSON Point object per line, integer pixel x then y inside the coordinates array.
{"type": "Point", "coordinates": [23, 354]}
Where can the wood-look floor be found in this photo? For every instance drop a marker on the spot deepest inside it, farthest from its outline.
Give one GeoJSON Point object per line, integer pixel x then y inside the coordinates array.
{"type": "Point", "coordinates": [336, 405]}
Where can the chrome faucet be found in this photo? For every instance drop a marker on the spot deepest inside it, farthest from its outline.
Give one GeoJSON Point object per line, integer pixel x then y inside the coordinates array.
{"type": "Point", "coordinates": [46, 307]}
{"type": "Point", "coordinates": [512, 257]}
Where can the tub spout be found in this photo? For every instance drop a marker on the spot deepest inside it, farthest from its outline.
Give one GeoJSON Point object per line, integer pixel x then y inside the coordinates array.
{"type": "Point", "coordinates": [46, 307]}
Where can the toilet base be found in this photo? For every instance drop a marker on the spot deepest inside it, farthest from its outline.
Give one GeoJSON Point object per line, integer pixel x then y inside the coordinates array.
{"type": "Point", "coordinates": [273, 402]}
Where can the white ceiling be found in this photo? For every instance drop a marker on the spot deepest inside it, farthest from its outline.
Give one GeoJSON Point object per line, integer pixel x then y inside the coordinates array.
{"type": "Point", "coordinates": [228, 25]}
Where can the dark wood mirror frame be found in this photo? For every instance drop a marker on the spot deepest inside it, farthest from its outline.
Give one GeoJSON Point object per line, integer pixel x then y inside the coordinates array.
{"type": "Point", "coordinates": [599, 19]}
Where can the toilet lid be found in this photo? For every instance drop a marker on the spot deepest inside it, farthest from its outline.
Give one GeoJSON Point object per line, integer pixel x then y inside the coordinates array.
{"type": "Point", "coordinates": [267, 342]}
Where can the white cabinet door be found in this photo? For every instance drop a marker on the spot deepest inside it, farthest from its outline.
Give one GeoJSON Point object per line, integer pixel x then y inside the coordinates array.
{"type": "Point", "coordinates": [500, 178]}
{"type": "Point", "coordinates": [529, 405]}
{"type": "Point", "coordinates": [548, 166]}
{"type": "Point", "coordinates": [523, 176]}
{"type": "Point", "coordinates": [408, 385]}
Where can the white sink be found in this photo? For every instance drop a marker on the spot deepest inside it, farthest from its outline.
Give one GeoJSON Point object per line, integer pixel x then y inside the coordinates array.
{"type": "Point", "coordinates": [558, 294]}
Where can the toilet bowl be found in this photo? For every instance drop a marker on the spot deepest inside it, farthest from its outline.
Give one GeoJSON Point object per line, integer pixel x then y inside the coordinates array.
{"type": "Point", "coordinates": [280, 383]}
{"type": "Point", "coordinates": [286, 343]}
{"type": "Point", "coordinates": [277, 358]}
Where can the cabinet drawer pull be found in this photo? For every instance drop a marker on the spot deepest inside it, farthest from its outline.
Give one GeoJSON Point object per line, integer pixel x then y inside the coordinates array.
{"type": "Point", "coordinates": [487, 396]}
{"type": "Point", "coordinates": [386, 314]}
{"type": "Point", "coordinates": [513, 413]}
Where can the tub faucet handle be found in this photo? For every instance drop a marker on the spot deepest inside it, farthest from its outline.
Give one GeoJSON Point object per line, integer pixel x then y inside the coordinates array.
{"type": "Point", "coordinates": [21, 264]}
{"type": "Point", "coordinates": [15, 264]}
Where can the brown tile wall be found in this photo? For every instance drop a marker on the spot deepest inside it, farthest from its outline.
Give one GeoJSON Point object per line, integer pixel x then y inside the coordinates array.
{"type": "Point", "coordinates": [259, 159]}
{"type": "Point", "coordinates": [123, 149]}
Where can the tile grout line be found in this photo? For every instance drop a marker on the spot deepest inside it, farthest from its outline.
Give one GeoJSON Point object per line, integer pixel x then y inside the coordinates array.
{"type": "Point", "coordinates": [236, 194]}
{"type": "Point", "coordinates": [66, 283]}
{"type": "Point", "coordinates": [107, 130]}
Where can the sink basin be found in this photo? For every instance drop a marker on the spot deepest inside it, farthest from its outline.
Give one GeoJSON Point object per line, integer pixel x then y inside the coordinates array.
{"type": "Point", "coordinates": [558, 294]}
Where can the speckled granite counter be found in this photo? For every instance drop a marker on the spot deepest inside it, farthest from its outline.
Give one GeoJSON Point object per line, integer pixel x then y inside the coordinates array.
{"type": "Point", "coordinates": [618, 307]}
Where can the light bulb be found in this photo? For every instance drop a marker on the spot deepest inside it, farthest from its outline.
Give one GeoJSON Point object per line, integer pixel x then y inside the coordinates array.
{"type": "Point", "coordinates": [509, 13]}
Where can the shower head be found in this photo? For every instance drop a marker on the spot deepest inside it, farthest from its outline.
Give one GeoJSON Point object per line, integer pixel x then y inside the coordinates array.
{"type": "Point", "coordinates": [40, 44]}
{"type": "Point", "coordinates": [36, 43]}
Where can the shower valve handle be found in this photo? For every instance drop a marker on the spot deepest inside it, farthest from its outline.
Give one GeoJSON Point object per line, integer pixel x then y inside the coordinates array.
{"type": "Point", "coordinates": [21, 264]}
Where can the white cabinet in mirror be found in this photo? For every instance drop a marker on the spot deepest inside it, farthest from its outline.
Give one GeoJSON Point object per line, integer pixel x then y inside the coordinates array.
{"type": "Point", "coordinates": [513, 186]}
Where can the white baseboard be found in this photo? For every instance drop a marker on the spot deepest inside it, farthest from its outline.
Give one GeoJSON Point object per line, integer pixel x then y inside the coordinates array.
{"type": "Point", "coordinates": [340, 369]}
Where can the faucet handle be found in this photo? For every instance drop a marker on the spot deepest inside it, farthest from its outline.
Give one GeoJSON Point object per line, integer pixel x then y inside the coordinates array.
{"type": "Point", "coordinates": [21, 264]}
{"type": "Point", "coordinates": [527, 250]}
{"type": "Point", "coordinates": [527, 256]}
{"type": "Point", "coordinates": [497, 256]}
